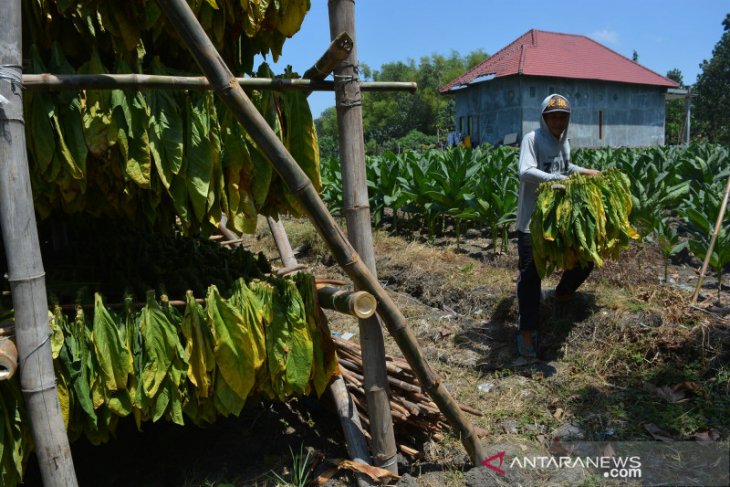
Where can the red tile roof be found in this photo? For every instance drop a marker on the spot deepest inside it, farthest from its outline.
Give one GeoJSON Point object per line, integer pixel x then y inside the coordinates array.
{"type": "Point", "coordinates": [540, 53]}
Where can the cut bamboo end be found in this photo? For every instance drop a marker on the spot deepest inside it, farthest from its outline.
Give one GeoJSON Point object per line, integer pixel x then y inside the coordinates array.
{"type": "Point", "coordinates": [8, 358]}
{"type": "Point", "coordinates": [361, 304]}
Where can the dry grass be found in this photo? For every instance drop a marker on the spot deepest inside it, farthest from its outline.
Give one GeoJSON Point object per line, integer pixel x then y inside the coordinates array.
{"type": "Point", "coordinates": [626, 339]}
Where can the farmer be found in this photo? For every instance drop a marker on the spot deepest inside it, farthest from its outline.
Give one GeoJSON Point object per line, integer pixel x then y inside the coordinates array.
{"type": "Point", "coordinates": [544, 156]}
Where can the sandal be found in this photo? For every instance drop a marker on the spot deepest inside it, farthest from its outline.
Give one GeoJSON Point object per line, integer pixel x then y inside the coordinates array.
{"type": "Point", "coordinates": [525, 350]}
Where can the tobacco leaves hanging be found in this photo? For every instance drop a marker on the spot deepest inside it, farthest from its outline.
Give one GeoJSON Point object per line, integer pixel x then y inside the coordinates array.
{"type": "Point", "coordinates": [158, 157]}
{"type": "Point", "coordinates": [194, 363]}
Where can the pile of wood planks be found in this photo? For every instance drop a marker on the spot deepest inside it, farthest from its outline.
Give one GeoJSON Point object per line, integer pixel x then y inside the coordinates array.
{"type": "Point", "coordinates": [416, 418]}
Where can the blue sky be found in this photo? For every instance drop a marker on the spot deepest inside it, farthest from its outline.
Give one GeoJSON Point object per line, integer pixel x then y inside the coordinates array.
{"type": "Point", "coordinates": [666, 34]}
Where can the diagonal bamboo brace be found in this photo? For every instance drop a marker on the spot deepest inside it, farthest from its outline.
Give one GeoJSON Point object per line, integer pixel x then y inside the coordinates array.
{"type": "Point", "coordinates": [182, 18]}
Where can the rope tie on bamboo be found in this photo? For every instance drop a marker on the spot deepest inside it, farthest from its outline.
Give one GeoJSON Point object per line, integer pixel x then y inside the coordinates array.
{"type": "Point", "coordinates": [341, 82]}
{"type": "Point", "coordinates": [12, 73]}
{"type": "Point", "coordinates": [25, 359]}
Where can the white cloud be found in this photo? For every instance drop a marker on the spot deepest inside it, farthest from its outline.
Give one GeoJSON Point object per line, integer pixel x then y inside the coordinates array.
{"type": "Point", "coordinates": [607, 36]}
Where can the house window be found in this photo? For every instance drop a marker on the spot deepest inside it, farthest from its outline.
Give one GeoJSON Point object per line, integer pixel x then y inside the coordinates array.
{"type": "Point", "coordinates": [600, 124]}
{"type": "Point", "coordinates": [474, 130]}
{"type": "Point", "coordinates": [468, 125]}
{"type": "Point", "coordinates": [462, 123]}
{"type": "Point", "coordinates": [532, 92]}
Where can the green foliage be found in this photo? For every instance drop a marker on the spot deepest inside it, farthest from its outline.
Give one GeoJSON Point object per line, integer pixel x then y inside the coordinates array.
{"type": "Point", "coordinates": [675, 113]}
{"type": "Point", "coordinates": [701, 211]}
{"type": "Point", "coordinates": [669, 241]}
{"type": "Point", "coordinates": [457, 185]}
{"type": "Point", "coordinates": [388, 117]}
{"type": "Point", "coordinates": [412, 141]}
{"type": "Point", "coordinates": [478, 187]}
{"type": "Point", "coordinates": [159, 158]}
{"type": "Point", "coordinates": [136, 29]}
{"type": "Point", "coordinates": [299, 471]}
{"type": "Point", "coordinates": [265, 340]}
{"type": "Point", "coordinates": [712, 105]}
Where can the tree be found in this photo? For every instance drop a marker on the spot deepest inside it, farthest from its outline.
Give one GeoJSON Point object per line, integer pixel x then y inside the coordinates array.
{"type": "Point", "coordinates": [675, 113]}
{"type": "Point", "coordinates": [712, 101]}
{"type": "Point", "coordinates": [389, 116]}
{"type": "Point", "coordinates": [327, 134]}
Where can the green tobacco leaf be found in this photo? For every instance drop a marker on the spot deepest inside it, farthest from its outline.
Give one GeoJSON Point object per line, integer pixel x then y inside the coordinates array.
{"type": "Point", "coordinates": [198, 347]}
{"type": "Point", "coordinates": [39, 128]}
{"type": "Point", "coordinates": [289, 347]}
{"type": "Point", "coordinates": [166, 130]}
{"type": "Point", "coordinates": [291, 17]}
{"type": "Point", "coordinates": [73, 356]}
{"type": "Point", "coordinates": [300, 138]}
{"type": "Point", "coordinates": [325, 363]}
{"type": "Point", "coordinates": [238, 172]}
{"type": "Point", "coordinates": [199, 153]}
{"type": "Point", "coordinates": [233, 352]}
{"type": "Point", "coordinates": [160, 344]}
{"type": "Point", "coordinates": [70, 118]}
{"type": "Point", "coordinates": [100, 128]}
{"type": "Point", "coordinates": [115, 361]}
{"type": "Point", "coordinates": [132, 116]}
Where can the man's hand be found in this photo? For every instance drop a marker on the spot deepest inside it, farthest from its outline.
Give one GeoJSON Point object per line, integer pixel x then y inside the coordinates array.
{"type": "Point", "coordinates": [590, 172]}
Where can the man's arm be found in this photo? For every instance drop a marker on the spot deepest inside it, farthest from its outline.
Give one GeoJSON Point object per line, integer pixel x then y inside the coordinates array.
{"type": "Point", "coordinates": [572, 168]}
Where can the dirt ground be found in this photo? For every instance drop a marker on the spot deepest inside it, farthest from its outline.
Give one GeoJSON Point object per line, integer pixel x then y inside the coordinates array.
{"type": "Point", "coordinates": [611, 361]}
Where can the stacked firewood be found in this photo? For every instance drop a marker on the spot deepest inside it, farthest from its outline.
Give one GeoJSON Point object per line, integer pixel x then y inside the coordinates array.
{"type": "Point", "coordinates": [415, 417]}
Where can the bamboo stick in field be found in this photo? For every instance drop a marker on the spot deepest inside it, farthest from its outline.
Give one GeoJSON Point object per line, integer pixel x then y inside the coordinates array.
{"type": "Point", "coordinates": [718, 224]}
{"type": "Point", "coordinates": [25, 268]}
{"type": "Point", "coordinates": [182, 18]}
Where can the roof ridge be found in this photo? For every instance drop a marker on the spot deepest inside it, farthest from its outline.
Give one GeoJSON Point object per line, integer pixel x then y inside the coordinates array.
{"type": "Point", "coordinates": [621, 55]}
{"type": "Point", "coordinates": [525, 55]}
{"type": "Point", "coordinates": [521, 67]}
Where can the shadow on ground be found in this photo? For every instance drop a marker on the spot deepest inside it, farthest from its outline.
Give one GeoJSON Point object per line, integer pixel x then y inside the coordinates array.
{"type": "Point", "coordinates": [494, 339]}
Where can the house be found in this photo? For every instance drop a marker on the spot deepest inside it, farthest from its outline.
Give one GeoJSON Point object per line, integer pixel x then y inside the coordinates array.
{"type": "Point", "coordinates": [615, 101]}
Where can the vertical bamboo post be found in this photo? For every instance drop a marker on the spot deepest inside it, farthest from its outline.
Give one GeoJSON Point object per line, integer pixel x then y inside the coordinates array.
{"type": "Point", "coordinates": [180, 15]}
{"type": "Point", "coordinates": [25, 268]}
{"type": "Point", "coordinates": [357, 216]}
{"type": "Point", "coordinates": [357, 446]}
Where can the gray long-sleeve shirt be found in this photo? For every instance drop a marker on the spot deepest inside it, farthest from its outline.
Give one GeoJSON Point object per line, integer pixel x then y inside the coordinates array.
{"type": "Point", "coordinates": [542, 158]}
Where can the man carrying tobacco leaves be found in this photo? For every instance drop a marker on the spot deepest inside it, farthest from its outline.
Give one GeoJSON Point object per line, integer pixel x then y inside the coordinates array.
{"type": "Point", "coordinates": [544, 156]}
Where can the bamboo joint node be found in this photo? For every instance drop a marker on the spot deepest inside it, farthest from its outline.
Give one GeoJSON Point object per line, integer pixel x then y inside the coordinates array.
{"type": "Point", "coordinates": [27, 278]}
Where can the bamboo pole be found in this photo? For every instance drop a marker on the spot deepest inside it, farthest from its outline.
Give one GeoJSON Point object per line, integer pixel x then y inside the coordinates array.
{"type": "Point", "coordinates": [361, 304]}
{"type": "Point", "coordinates": [25, 268]}
{"type": "Point", "coordinates": [192, 34]}
{"type": "Point", "coordinates": [357, 216]}
{"type": "Point", "coordinates": [282, 242]}
{"type": "Point", "coordinates": [8, 358]}
{"type": "Point", "coordinates": [357, 446]}
{"type": "Point", "coordinates": [708, 256]}
{"type": "Point", "coordinates": [339, 49]}
{"type": "Point", "coordinates": [62, 82]}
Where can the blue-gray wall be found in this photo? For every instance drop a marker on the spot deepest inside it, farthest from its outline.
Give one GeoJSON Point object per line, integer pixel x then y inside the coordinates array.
{"type": "Point", "coordinates": [629, 115]}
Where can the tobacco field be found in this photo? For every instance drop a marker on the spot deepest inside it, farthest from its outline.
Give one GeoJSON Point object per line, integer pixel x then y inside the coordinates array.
{"type": "Point", "coordinates": [184, 359]}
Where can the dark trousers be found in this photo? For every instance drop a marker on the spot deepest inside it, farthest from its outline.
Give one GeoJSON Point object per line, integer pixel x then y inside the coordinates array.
{"type": "Point", "coordinates": [529, 283]}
